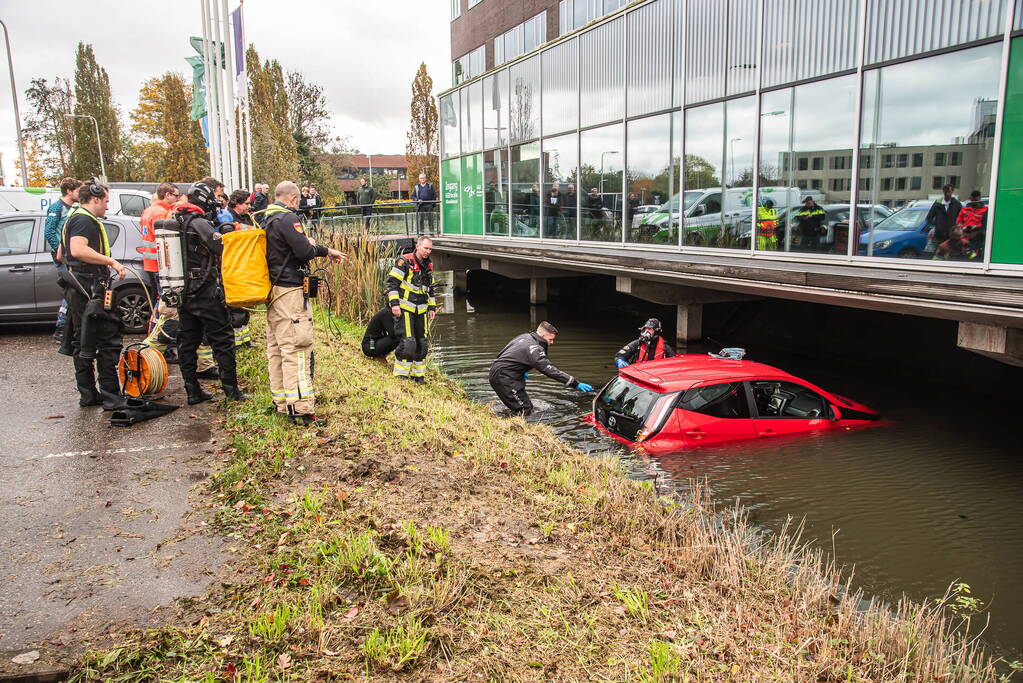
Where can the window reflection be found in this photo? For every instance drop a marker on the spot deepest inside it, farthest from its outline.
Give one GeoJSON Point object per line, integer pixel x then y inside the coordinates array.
{"type": "Point", "coordinates": [525, 190]}
{"type": "Point", "coordinates": [649, 177]}
{"type": "Point", "coordinates": [561, 88]}
{"type": "Point", "coordinates": [602, 74]}
{"type": "Point", "coordinates": [495, 110]}
{"type": "Point", "coordinates": [913, 150]}
{"type": "Point", "coordinates": [700, 204]}
{"type": "Point", "coordinates": [525, 100]}
{"type": "Point", "coordinates": [449, 115]}
{"type": "Point", "coordinates": [807, 134]}
{"type": "Point", "coordinates": [472, 118]}
{"type": "Point", "coordinates": [600, 171]}
{"type": "Point", "coordinates": [738, 205]}
{"type": "Point", "coordinates": [495, 192]}
{"type": "Point", "coordinates": [560, 194]}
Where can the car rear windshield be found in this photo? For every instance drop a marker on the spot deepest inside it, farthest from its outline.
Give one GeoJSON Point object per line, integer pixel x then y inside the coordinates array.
{"type": "Point", "coordinates": [623, 407]}
{"type": "Point", "coordinates": [907, 219]}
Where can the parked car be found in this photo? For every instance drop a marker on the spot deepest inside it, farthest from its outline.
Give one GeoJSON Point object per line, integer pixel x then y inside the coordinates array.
{"type": "Point", "coordinates": [902, 235]}
{"type": "Point", "coordinates": [28, 277]}
{"type": "Point", "coordinates": [836, 220]}
{"type": "Point", "coordinates": [694, 400]}
{"type": "Point", "coordinates": [123, 202]}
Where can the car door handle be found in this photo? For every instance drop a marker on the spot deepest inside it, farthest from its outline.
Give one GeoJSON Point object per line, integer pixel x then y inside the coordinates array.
{"type": "Point", "coordinates": [767, 432]}
{"type": "Point", "coordinates": [19, 269]}
{"type": "Point", "coordinates": [696, 433]}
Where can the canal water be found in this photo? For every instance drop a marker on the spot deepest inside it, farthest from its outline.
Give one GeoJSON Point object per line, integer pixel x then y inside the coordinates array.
{"type": "Point", "coordinates": [932, 498]}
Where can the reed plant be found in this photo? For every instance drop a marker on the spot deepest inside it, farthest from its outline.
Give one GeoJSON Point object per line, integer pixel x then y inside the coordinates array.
{"type": "Point", "coordinates": [354, 289]}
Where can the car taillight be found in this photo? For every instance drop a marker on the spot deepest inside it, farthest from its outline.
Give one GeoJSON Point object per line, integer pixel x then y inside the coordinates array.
{"type": "Point", "coordinates": [657, 416]}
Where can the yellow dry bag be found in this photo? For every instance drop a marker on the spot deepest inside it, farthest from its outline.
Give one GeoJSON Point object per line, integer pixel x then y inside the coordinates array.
{"type": "Point", "coordinates": [243, 266]}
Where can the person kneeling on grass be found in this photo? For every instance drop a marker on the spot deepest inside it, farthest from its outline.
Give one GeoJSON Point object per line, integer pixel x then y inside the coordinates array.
{"type": "Point", "coordinates": [380, 338]}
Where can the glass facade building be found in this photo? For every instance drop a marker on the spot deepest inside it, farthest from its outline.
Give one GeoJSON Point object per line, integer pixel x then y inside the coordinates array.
{"type": "Point", "coordinates": [705, 125]}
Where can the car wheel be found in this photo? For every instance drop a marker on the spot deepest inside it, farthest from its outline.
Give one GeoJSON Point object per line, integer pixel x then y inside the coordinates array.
{"type": "Point", "coordinates": [133, 310]}
{"type": "Point", "coordinates": [694, 239]}
{"type": "Point", "coordinates": [909, 252]}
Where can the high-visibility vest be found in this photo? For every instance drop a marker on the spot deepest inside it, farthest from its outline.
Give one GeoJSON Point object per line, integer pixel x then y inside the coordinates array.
{"type": "Point", "coordinates": [159, 210]}
{"type": "Point", "coordinates": [767, 221]}
{"type": "Point", "coordinates": [644, 350]}
{"type": "Point", "coordinates": [104, 242]}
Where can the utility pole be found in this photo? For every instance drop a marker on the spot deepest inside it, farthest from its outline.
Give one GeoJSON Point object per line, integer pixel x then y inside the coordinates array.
{"type": "Point", "coordinates": [17, 114]}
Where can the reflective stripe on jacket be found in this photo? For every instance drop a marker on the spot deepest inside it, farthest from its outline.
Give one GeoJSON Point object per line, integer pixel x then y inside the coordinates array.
{"type": "Point", "coordinates": [767, 221]}
{"type": "Point", "coordinates": [159, 210]}
{"type": "Point", "coordinates": [410, 285]}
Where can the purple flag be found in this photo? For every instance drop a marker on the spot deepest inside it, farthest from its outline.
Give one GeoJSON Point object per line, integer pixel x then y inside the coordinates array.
{"type": "Point", "coordinates": [239, 40]}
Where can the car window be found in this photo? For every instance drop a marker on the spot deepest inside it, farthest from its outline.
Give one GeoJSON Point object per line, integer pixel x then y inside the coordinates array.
{"type": "Point", "coordinates": [726, 400]}
{"type": "Point", "coordinates": [787, 399]}
{"type": "Point", "coordinates": [113, 231]}
{"type": "Point", "coordinates": [907, 219]}
{"type": "Point", "coordinates": [628, 399]}
{"type": "Point", "coordinates": [133, 204]}
{"type": "Point", "coordinates": [16, 237]}
{"type": "Point", "coordinates": [713, 203]}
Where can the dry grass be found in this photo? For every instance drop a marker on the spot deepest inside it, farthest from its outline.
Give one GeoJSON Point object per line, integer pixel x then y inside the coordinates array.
{"type": "Point", "coordinates": [355, 288]}
{"type": "Point", "coordinates": [419, 537]}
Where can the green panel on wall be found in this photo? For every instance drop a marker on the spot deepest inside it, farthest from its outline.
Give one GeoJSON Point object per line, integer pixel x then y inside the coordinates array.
{"type": "Point", "coordinates": [472, 195]}
{"type": "Point", "coordinates": [451, 180]}
{"type": "Point", "coordinates": [1007, 238]}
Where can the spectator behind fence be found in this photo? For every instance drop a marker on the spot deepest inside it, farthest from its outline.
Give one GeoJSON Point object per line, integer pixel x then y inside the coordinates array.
{"type": "Point", "coordinates": [315, 201]}
{"type": "Point", "coordinates": [365, 195]}
{"type": "Point", "coordinates": [425, 197]}
{"type": "Point", "coordinates": [260, 200]}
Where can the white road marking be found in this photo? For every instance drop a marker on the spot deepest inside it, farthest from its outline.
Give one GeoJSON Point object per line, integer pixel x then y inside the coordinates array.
{"type": "Point", "coordinates": [115, 451]}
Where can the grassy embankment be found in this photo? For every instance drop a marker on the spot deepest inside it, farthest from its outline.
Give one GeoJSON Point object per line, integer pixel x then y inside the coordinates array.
{"type": "Point", "coordinates": [419, 537]}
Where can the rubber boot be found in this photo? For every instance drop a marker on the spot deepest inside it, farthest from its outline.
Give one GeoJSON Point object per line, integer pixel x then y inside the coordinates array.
{"type": "Point", "coordinates": [233, 393]}
{"type": "Point", "coordinates": [88, 395]}
{"type": "Point", "coordinates": [112, 401]}
{"type": "Point", "coordinates": [195, 393]}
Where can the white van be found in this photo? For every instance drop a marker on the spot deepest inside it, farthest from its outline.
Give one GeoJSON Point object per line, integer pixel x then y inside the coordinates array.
{"type": "Point", "coordinates": [709, 221]}
{"type": "Point", "coordinates": [122, 202]}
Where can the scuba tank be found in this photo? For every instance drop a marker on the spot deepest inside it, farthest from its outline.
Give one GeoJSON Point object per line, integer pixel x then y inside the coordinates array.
{"type": "Point", "coordinates": [170, 251]}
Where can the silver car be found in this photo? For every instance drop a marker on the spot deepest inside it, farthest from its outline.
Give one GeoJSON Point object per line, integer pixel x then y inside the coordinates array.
{"type": "Point", "coordinates": [28, 277]}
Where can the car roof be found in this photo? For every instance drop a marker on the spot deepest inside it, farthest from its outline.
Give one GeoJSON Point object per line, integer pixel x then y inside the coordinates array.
{"type": "Point", "coordinates": [42, 214]}
{"type": "Point", "coordinates": [682, 372]}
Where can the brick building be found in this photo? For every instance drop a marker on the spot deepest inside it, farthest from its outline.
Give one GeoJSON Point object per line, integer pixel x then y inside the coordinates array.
{"type": "Point", "coordinates": [356, 166]}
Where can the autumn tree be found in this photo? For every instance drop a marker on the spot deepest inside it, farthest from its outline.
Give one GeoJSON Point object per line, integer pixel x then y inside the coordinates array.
{"type": "Point", "coordinates": [274, 153]}
{"type": "Point", "coordinates": [36, 174]}
{"type": "Point", "coordinates": [422, 148]}
{"type": "Point", "coordinates": [93, 97]}
{"type": "Point", "coordinates": [170, 145]}
{"type": "Point", "coordinates": [48, 126]}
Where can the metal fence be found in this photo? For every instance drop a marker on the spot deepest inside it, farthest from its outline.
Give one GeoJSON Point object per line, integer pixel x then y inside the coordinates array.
{"type": "Point", "coordinates": [381, 220]}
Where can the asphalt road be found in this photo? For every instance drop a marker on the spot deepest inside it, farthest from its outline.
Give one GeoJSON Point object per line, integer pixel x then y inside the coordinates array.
{"type": "Point", "coordinates": [96, 532]}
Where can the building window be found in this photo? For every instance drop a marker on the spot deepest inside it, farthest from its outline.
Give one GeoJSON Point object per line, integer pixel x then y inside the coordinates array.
{"type": "Point", "coordinates": [915, 182]}
{"type": "Point", "coordinates": [918, 160]}
{"type": "Point", "coordinates": [939, 158]}
{"type": "Point", "coordinates": [886, 184]}
{"type": "Point", "coordinates": [838, 184]}
{"type": "Point", "coordinates": [900, 184]}
{"type": "Point", "coordinates": [521, 39]}
{"type": "Point", "coordinates": [865, 184]}
{"type": "Point", "coordinates": [866, 161]}
{"type": "Point", "coordinates": [937, 182]}
{"type": "Point", "coordinates": [469, 66]}
{"type": "Point", "coordinates": [902, 160]}
{"type": "Point", "coordinates": [456, 9]}
{"type": "Point", "coordinates": [576, 13]}
{"type": "Point", "coordinates": [888, 161]}
{"type": "Point", "coordinates": [818, 163]}
{"type": "Point", "coordinates": [815, 184]}
{"type": "Point", "coordinates": [840, 162]}
{"type": "Point", "coordinates": [955, 158]}
{"type": "Point", "coordinates": [804, 163]}
{"type": "Point", "coordinates": [801, 184]}
{"type": "Point", "coordinates": [953, 180]}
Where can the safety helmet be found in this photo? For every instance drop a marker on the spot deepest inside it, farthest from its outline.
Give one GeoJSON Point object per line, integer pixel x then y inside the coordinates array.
{"type": "Point", "coordinates": [204, 197]}
{"type": "Point", "coordinates": [653, 324]}
{"type": "Point", "coordinates": [768, 203]}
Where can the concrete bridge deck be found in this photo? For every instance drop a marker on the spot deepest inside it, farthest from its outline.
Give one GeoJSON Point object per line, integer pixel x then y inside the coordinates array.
{"type": "Point", "coordinates": [989, 308]}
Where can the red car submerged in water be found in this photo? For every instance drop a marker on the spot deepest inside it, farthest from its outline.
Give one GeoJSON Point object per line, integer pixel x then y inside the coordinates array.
{"type": "Point", "coordinates": [693, 400]}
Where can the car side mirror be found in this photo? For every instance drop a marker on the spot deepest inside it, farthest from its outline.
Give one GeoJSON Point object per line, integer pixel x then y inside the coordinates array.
{"type": "Point", "coordinates": [836, 414]}
{"type": "Point", "coordinates": [700, 210]}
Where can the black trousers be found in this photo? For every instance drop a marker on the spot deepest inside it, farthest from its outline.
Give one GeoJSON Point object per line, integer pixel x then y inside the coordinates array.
{"type": "Point", "coordinates": [375, 348]}
{"type": "Point", "coordinates": [512, 392]}
{"type": "Point", "coordinates": [108, 348]}
{"type": "Point", "coordinates": [367, 214]}
{"type": "Point", "coordinates": [426, 222]}
{"type": "Point", "coordinates": [206, 315]}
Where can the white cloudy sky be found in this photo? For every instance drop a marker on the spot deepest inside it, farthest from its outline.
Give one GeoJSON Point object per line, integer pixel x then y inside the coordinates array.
{"type": "Point", "coordinates": [363, 53]}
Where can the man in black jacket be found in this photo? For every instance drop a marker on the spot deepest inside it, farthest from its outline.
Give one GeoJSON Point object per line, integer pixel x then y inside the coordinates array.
{"type": "Point", "coordinates": [943, 216]}
{"type": "Point", "coordinates": [649, 346]}
{"type": "Point", "coordinates": [425, 197]}
{"type": "Point", "coordinates": [202, 312]}
{"type": "Point", "coordinates": [289, 318]}
{"type": "Point", "coordinates": [260, 201]}
{"type": "Point", "coordinates": [381, 338]}
{"type": "Point", "coordinates": [811, 225]}
{"type": "Point", "coordinates": [525, 352]}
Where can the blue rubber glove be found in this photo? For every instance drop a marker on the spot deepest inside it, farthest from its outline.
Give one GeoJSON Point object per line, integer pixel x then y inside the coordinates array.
{"type": "Point", "coordinates": [621, 363]}
{"type": "Point", "coordinates": [525, 375]}
{"type": "Point", "coordinates": [584, 387]}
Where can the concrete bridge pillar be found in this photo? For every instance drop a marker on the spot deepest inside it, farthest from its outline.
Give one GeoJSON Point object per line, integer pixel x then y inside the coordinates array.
{"type": "Point", "coordinates": [689, 324]}
{"type": "Point", "coordinates": [460, 281]}
{"type": "Point", "coordinates": [1004, 344]}
{"type": "Point", "coordinates": [537, 290]}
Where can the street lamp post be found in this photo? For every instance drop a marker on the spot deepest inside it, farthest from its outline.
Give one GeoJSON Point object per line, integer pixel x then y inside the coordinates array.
{"type": "Point", "coordinates": [17, 115]}
{"type": "Point", "coordinates": [99, 143]}
{"type": "Point", "coordinates": [602, 155]}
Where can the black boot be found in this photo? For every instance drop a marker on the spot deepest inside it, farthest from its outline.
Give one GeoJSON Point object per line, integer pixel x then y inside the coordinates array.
{"type": "Point", "coordinates": [85, 378]}
{"type": "Point", "coordinates": [208, 373]}
{"type": "Point", "coordinates": [233, 393]}
{"type": "Point", "coordinates": [112, 401]}
{"type": "Point", "coordinates": [195, 393]}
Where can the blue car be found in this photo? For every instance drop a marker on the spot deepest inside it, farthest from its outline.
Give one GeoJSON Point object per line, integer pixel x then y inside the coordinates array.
{"type": "Point", "coordinates": [902, 235]}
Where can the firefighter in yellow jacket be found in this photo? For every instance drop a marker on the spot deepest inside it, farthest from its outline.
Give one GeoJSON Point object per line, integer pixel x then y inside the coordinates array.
{"type": "Point", "coordinates": [410, 295]}
{"type": "Point", "coordinates": [289, 315]}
